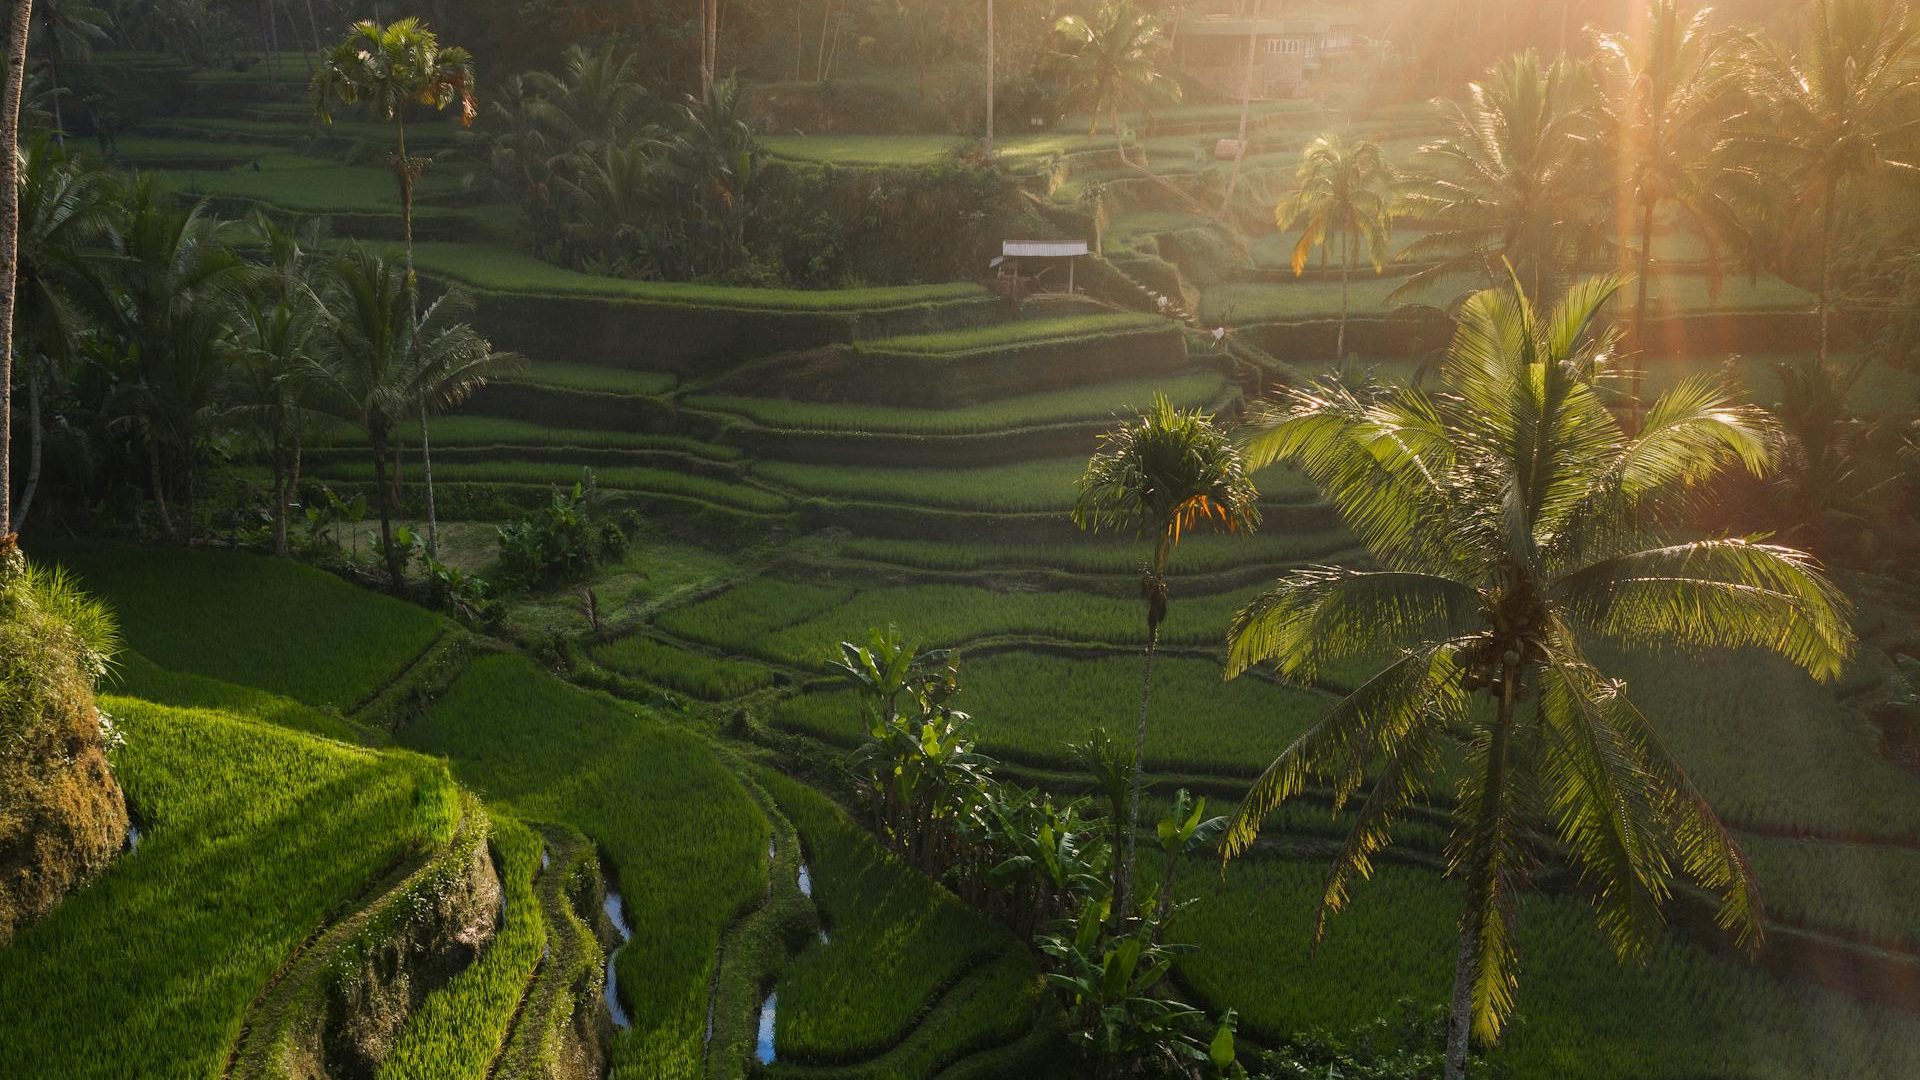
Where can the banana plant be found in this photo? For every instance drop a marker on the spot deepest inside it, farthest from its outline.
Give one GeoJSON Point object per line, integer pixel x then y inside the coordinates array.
{"type": "Point", "coordinates": [1185, 829]}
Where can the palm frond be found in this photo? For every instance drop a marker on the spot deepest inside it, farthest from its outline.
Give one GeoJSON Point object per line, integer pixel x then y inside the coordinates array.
{"type": "Point", "coordinates": [1324, 614]}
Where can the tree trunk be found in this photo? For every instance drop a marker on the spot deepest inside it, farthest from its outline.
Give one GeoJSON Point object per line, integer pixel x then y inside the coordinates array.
{"type": "Point", "coordinates": [820, 58]}
{"type": "Point", "coordinates": [989, 143]}
{"type": "Point", "coordinates": [1340, 338]}
{"type": "Point", "coordinates": [53, 82]}
{"type": "Point", "coordinates": [1460, 1013]}
{"type": "Point", "coordinates": [17, 33]}
{"type": "Point", "coordinates": [159, 488]}
{"type": "Point", "coordinates": [378, 437]}
{"type": "Point", "coordinates": [33, 457]}
{"type": "Point", "coordinates": [313, 27]}
{"type": "Point", "coordinates": [1123, 888]}
{"type": "Point", "coordinates": [1826, 265]}
{"type": "Point", "coordinates": [279, 458]}
{"type": "Point", "coordinates": [1246, 108]}
{"type": "Point", "coordinates": [1640, 316]}
{"type": "Point", "coordinates": [426, 473]}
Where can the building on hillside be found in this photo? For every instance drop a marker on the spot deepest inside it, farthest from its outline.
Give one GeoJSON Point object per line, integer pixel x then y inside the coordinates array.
{"type": "Point", "coordinates": [1292, 43]}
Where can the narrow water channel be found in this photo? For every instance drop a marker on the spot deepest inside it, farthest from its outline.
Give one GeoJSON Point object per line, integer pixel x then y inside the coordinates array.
{"type": "Point", "coordinates": [616, 914]}
{"type": "Point", "coordinates": [764, 1051]}
{"type": "Point", "coordinates": [133, 837]}
{"type": "Point", "coordinates": [806, 881]}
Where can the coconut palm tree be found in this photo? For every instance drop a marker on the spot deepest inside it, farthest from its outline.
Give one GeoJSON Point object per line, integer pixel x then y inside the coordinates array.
{"type": "Point", "coordinates": [274, 338]}
{"type": "Point", "coordinates": [1113, 61]}
{"type": "Point", "coordinates": [70, 28]}
{"type": "Point", "coordinates": [1838, 111]}
{"type": "Point", "coordinates": [391, 69]}
{"type": "Point", "coordinates": [366, 366]}
{"type": "Point", "coordinates": [451, 361]}
{"type": "Point", "coordinates": [1667, 92]}
{"type": "Point", "coordinates": [1344, 198]}
{"type": "Point", "coordinates": [1163, 474]}
{"type": "Point", "coordinates": [65, 208]}
{"type": "Point", "coordinates": [1513, 522]}
{"type": "Point", "coordinates": [1514, 180]}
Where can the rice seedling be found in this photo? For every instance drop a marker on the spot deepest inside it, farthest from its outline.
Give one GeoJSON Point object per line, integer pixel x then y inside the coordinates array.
{"type": "Point", "coordinates": [459, 1029]}
{"type": "Point", "coordinates": [1096, 402]}
{"type": "Point", "coordinates": [1203, 554]}
{"type": "Point", "coordinates": [703, 676]}
{"type": "Point", "coordinates": [1028, 707]}
{"type": "Point", "coordinates": [248, 619]}
{"type": "Point", "coordinates": [895, 939]}
{"type": "Point", "coordinates": [251, 835]}
{"type": "Point", "coordinates": [475, 430]}
{"type": "Point", "coordinates": [1020, 333]}
{"type": "Point", "coordinates": [684, 838]}
{"type": "Point", "coordinates": [1862, 890]}
{"type": "Point", "coordinates": [138, 677]}
{"type": "Point", "coordinates": [597, 378]}
{"type": "Point", "coordinates": [636, 478]}
{"type": "Point", "coordinates": [751, 610]}
{"type": "Point", "coordinates": [1686, 1013]}
{"type": "Point", "coordinates": [1026, 487]}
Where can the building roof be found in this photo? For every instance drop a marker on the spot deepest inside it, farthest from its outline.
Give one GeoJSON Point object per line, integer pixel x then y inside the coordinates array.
{"type": "Point", "coordinates": [1044, 249]}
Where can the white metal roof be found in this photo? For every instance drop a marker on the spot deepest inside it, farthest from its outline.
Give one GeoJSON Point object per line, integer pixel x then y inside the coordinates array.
{"type": "Point", "coordinates": [1042, 249]}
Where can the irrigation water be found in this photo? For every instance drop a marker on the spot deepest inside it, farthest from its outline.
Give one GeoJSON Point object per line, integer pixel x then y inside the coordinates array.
{"type": "Point", "coordinates": [806, 881]}
{"type": "Point", "coordinates": [764, 1050]}
{"type": "Point", "coordinates": [616, 914]}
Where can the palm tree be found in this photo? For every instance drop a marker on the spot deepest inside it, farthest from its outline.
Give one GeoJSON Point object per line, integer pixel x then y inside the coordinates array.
{"type": "Point", "coordinates": [451, 360]}
{"type": "Point", "coordinates": [71, 28]}
{"type": "Point", "coordinates": [366, 366]}
{"type": "Point", "coordinates": [1113, 60]}
{"type": "Point", "coordinates": [594, 99]}
{"type": "Point", "coordinates": [392, 68]}
{"type": "Point", "coordinates": [1516, 178]}
{"type": "Point", "coordinates": [275, 336]}
{"type": "Point", "coordinates": [65, 208]}
{"type": "Point", "coordinates": [1513, 519]}
{"type": "Point", "coordinates": [1163, 474]}
{"type": "Point", "coordinates": [18, 30]}
{"type": "Point", "coordinates": [173, 284]}
{"type": "Point", "coordinates": [1839, 111]}
{"type": "Point", "coordinates": [1343, 197]}
{"type": "Point", "coordinates": [717, 159]}
{"type": "Point", "coordinates": [1667, 92]}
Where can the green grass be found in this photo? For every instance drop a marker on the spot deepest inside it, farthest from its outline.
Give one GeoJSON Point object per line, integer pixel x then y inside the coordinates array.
{"type": "Point", "coordinates": [1019, 333]}
{"type": "Point", "coordinates": [268, 623]}
{"type": "Point", "coordinates": [649, 576]}
{"type": "Point", "coordinates": [135, 149]}
{"type": "Point", "coordinates": [802, 625]}
{"type": "Point", "coordinates": [895, 939]}
{"type": "Point", "coordinates": [559, 474]}
{"type": "Point", "coordinates": [703, 676]}
{"type": "Point", "coordinates": [597, 378]}
{"type": "Point", "coordinates": [1257, 302]}
{"type": "Point", "coordinates": [252, 835]}
{"type": "Point", "coordinates": [1194, 389]}
{"type": "Point", "coordinates": [302, 184]}
{"type": "Point", "coordinates": [1683, 1016]}
{"type": "Point", "coordinates": [503, 268]}
{"type": "Point", "coordinates": [136, 676]}
{"type": "Point", "coordinates": [476, 430]}
{"type": "Point", "coordinates": [1207, 553]}
{"type": "Point", "coordinates": [684, 837]}
{"type": "Point", "coordinates": [459, 1029]}
{"type": "Point", "coordinates": [1861, 890]}
{"type": "Point", "coordinates": [751, 610]}
{"type": "Point", "coordinates": [1015, 151]}
{"type": "Point", "coordinates": [1026, 487]}
{"type": "Point", "coordinates": [1027, 707]}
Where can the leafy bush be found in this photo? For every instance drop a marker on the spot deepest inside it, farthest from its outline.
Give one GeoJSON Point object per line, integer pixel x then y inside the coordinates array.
{"type": "Point", "coordinates": [560, 541]}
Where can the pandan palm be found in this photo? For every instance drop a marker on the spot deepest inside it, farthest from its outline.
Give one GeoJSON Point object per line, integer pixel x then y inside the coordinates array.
{"type": "Point", "coordinates": [1163, 474]}
{"type": "Point", "coordinates": [390, 69]}
{"type": "Point", "coordinates": [1667, 92]}
{"type": "Point", "coordinates": [1511, 181]}
{"type": "Point", "coordinates": [1835, 112]}
{"type": "Point", "coordinates": [1344, 198]}
{"type": "Point", "coordinates": [1512, 523]}
{"type": "Point", "coordinates": [1113, 58]}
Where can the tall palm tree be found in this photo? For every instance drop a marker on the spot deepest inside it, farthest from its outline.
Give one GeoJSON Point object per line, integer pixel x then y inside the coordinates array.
{"type": "Point", "coordinates": [451, 361]}
{"type": "Point", "coordinates": [1344, 197]}
{"type": "Point", "coordinates": [65, 209]}
{"type": "Point", "coordinates": [19, 28]}
{"type": "Point", "coordinates": [1113, 59]}
{"type": "Point", "coordinates": [1163, 474]}
{"type": "Point", "coordinates": [391, 69]}
{"type": "Point", "coordinates": [275, 336]}
{"type": "Point", "coordinates": [1513, 521]}
{"type": "Point", "coordinates": [1667, 92]}
{"type": "Point", "coordinates": [71, 27]}
{"type": "Point", "coordinates": [1838, 110]}
{"type": "Point", "coordinates": [594, 99]}
{"type": "Point", "coordinates": [1515, 179]}
{"type": "Point", "coordinates": [366, 365]}
{"type": "Point", "coordinates": [715, 156]}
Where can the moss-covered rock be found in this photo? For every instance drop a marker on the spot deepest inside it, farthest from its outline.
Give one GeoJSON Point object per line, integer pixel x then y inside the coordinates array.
{"type": "Point", "coordinates": [62, 815]}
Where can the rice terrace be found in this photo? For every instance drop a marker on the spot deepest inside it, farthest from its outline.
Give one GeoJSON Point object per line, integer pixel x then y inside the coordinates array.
{"type": "Point", "coordinates": [960, 539]}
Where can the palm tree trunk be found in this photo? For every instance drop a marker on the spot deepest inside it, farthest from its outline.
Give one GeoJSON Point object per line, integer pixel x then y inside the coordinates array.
{"type": "Point", "coordinates": [1460, 1013]}
{"type": "Point", "coordinates": [1246, 108]}
{"type": "Point", "coordinates": [279, 492]}
{"type": "Point", "coordinates": [989, 142]}
{"type": "Point", "coordinates": [313, 26]}
{"type": "Point", "coordinates": [1123, 888]}
{"type": "Point", "coordinates": [17, 33]}
{"type": "Point", "coordinates": [53, 83]}
{"type": "Point", "coordinates": [1640, 315]}
{"type": "Point", "coordinates": [1340, 339]}
{"type": "Point", "coordinates": [33, 456]}
{"type": "Point", "coordinates": [1826, 265]}
{"type": "Point", "coordinates": [378, 437]}
{"type": "Point", "coordinates": [159, 488]}
{"type": "Point", "coordinates": [426, 473]}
